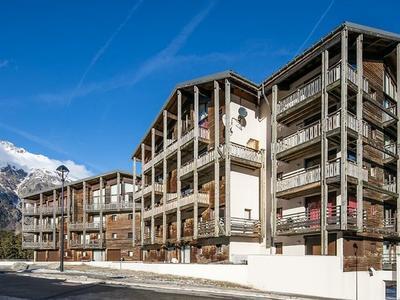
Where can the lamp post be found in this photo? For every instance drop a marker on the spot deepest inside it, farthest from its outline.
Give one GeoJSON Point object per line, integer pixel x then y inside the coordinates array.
{"type": "Point", "coordinates": [355, 246]}
{"type": "Point", "coordinates": [63, 173]}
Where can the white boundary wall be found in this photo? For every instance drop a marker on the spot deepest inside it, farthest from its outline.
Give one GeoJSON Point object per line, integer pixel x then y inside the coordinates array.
{"type": "Point", "coordinates": [319, 276]}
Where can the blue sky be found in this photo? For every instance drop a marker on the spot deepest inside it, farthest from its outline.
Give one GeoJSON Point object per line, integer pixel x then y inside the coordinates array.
{"type": "Point", "coordinates": [83, 80]}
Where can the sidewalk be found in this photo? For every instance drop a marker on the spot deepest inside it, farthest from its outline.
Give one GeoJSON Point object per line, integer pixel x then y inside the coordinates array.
{"type": "Point", "coordinates": [84, 274]}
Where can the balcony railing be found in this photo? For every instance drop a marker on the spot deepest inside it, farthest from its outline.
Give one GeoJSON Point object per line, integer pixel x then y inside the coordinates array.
{"type": "Point", "coordinates": [299, 178]}
{"type": "Point", "coordinates": [390, 186]}
{"type": "Point", "coordinates": [301, 136]}
{"type": "Point", "coordinates": [48, 227]}
{"type": "Point", "coordinates": [310, 220]}
{"type": "Point", "coordinates": [314, 130]}
{"type": "Point", "coordinates": [31, 245]}
{"type": "Point", "coordinates": [314, 86]}
{"type": "Point", "coordinates": [307, 176]}
{"type": "Point", "coordinates": [387, 226]}
{"type": "Point", "coordinates": [32, 228]}
{"type": "Point", "coordinates": [389, 261]}
{"type": "Point", "coordinates": [246, 153]}
{"type": "Point", "coordinates": [81, 226]}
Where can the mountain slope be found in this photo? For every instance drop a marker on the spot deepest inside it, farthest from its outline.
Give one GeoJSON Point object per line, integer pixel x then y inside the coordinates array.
{"type": "Point", "coordinates": [22, 173]}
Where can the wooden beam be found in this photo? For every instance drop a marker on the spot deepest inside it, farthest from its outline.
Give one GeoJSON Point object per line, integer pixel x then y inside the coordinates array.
{"type": "Point", "coordinates": [398, 134]}
{"type": "Point", "coordinates": [195, 157]}
{"type": "Point", "coordinates": [178, 168]}
{"type": "Point", "coordinates": [274, 162]}
{"type": "Point", "coordinates": [324, 153]}
{"type": "Point", "coordinates": [101, 196]}
{"type": "Point", "coordinates": [134, 203]}
{"type": "Point", "coordinates": [227, 158]}
{"type": "Point", "coordinates": [84, 192]}
{"type": "Point", "coordinates": [172, 116]}
{"type": "Point", "coordinates": [360, 91]}
{"type": "Point", "coordinates": [216, 157]}
{"type": "Point", "coordinates": [142, 201]}
{"type": "Point", "coordinates": [343, 129]}
{"type": "Point", "coordinates": [165, 175]}
{"type": "Point", "coordinates": [153, 195]}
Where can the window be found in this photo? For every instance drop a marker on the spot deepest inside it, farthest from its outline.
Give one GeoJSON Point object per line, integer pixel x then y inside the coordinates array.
{"type": "Point", "coordinates": [279, 213]}
{"type": "Point", "coordinates": [278, 248]}
{"type": "Point", "coordinates": [84, 253]}
{"type": "Point", "coordinates": [114, 235]}
{"type": "Point", "coordinates": [130, 235]}
{"type": "Point", "coordinates": [130, 216]}
{"type": "Point", "coordinates": [65, 237]}
{"type": "Point", "coordinates": [130, 253]}
{"type": "Point", "coordinates": [372, 171]}
{"type": "Point", "coordinates": [247, 213]}
{"type": "Point", "coordinates": [114, 218]}
{"type": "Point", "coordinates": [66, 254]}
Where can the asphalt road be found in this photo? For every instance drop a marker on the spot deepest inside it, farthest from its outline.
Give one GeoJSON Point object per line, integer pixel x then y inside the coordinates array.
{"type": "Point", "coordinates": [13, 286]}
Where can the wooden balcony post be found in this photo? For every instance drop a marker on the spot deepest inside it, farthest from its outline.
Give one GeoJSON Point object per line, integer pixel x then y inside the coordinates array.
{"type": "Point", "coordinates": [101, 187]}
{"type": "Point", "coordinates": [134, 203]}
{"type": "Point", "coordinates": [324, 152]}
{"type": "Point", "coordinates": [398, 135]}
{"type": "Point", "coordinates": [40, 217]}
{"type": "Point", "coordinates": [84, 191]}
{"type": "Point", "coordinates": [61, 234]}
{"type": "Point", "coordinates": [68, 213]}
{"type": "Point", "coordinates": [216, 157]}
{"type": "Point", "coordinates": [153, 196]}
{"type": "Point", "coordinates": [274, 169]}
{"type": "Point", "coordinates": [360, 206]}
{"type": "Point", "coordinates": [165, 175]}
{"type": "Point", "coordinates": [195, 157]}
{"type": "Point", "coordinates": [178, 168]}
{"type": "Point", "coordinates": [142, 199]}
{"type": "Point", "coordinates": [227, 157]}
{"type": "Point", "coordinates": [73, 206]}
{"type": "Point", "coordinates": [343, 128]}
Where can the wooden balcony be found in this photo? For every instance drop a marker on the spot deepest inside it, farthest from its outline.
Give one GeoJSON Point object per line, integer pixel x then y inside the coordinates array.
{"type": "Point", "coordinates": [308, 138]}
{"type": "Point", "coordinates": [82, 226]}
{"type": "Point", "coordinates": [91, 244]}
{"type": "Point", "coordinates": [310, 221]}
{"type": "Point", "coordinates": [239, 227]}
{"type": "Point", "coordinates": [172, 145]}
{"type": "Point", "coordinates": [32, 228]}
{"type": "Point", "coordinates": [120, 206]}
{"type": "Point", "coordinates": [300, 182]}
{"type": "Point", "coordinates": [31, 245]}
{"type": "Point", "coordinates": [389, 261]}
{"type": "Point", "coordinates": [385, 227]}
{"type": "Point", "coordinates": [246, 155]}
{"type": "Point", "coordinates": [304, 95]}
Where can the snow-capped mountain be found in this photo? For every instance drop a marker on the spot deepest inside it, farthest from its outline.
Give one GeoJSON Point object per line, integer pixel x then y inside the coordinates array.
{"type": "Point", "coordinates": [22, 173]}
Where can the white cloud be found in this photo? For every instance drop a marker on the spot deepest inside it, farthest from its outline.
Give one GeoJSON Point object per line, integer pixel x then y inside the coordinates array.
{"type": "Point", "coordinates": [19, 157]}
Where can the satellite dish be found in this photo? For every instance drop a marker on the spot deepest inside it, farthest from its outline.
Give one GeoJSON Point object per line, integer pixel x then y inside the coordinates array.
{"type": "Point", "coordinates": [242, 112]}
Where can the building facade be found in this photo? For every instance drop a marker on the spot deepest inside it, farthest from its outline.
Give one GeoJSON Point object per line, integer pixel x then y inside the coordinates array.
{"type": "Point", "coordinates": [202, 166]}
{"type": "Point", "coordinates": [305, 163]}
{"type": "Point", "coordinates": [335, 165]}
{"type": "Point", "coordinates": [99, 220]}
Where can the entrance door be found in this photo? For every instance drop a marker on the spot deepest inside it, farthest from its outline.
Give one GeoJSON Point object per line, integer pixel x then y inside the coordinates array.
{"type": "Point", "coordinates": [185, 254]}
{"type": "Point", "coordinates": [114, 254]}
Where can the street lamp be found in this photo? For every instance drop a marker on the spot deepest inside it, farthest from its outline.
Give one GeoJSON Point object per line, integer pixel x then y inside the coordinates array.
{"type": "Point", "coordinates": [355, 247]}
{"type": "Point", "coordinates": [63, 173]}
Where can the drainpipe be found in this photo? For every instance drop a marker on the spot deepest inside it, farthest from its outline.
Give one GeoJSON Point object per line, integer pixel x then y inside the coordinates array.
{"type": "Point", "coordinates": [268, 200]}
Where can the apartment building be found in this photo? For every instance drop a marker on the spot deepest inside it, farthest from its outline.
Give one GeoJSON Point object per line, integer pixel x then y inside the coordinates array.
{"type": "Point", "coordinates": [334, 163]}
{"type": "Point", "coordinates": [202, 165]}
{"type": "Point", "coordinates": [100, 218]}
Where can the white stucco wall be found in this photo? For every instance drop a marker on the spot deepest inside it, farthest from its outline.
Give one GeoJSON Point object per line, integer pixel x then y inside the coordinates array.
{"type": "Point", "coordinates": [255, 127]}
{"type": "Point", "coordinates": [245, 192]}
